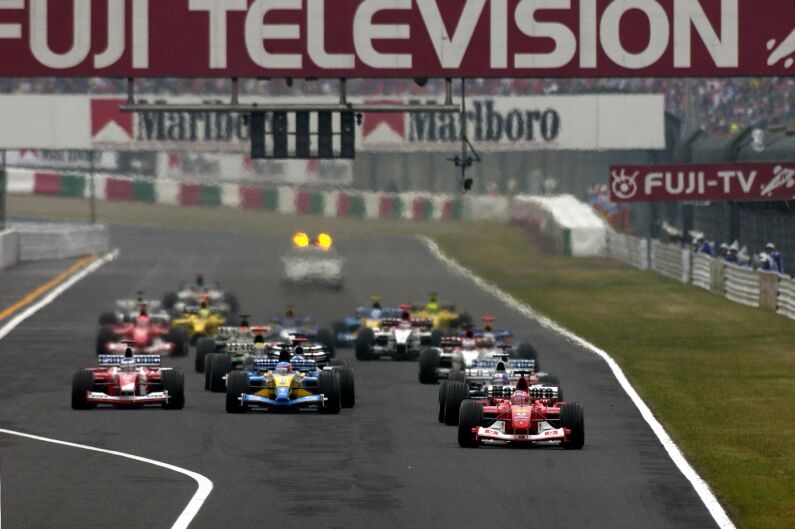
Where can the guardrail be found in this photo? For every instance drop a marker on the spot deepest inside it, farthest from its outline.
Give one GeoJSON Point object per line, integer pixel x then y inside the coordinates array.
{"type": "Point", "coordinates": [631, 250]}
{"type": "Point", "coordinates": [786, 297]}
{"type": "Point", "coordinates": [670, 261]}
{"type": "Point", "coordinates": [754, 288]}
{"type": "Point", "coordinates": [44, 241]}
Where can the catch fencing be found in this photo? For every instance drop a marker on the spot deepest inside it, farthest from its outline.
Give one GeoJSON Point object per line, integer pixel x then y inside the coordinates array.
{"type": "Point", "coordinates": [755, 288]}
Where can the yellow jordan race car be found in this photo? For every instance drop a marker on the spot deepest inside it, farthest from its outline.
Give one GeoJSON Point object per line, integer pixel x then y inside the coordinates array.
{"type": "Point", "coordinates": [199, 322]}
{"type": "Point", "coordinates": [442, 315]}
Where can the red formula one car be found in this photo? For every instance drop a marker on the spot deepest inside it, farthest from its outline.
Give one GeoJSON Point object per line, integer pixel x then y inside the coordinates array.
{"type": "Point", "coordinates": [521, 415]}
{"type": "Point", "coordinates": [130, 381]}
{"type": "Point", "coordinates": [144, 335]}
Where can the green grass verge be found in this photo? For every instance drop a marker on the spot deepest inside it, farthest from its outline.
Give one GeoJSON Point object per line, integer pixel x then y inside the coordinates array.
{"type": "Point", "coordinates": [719, 376]}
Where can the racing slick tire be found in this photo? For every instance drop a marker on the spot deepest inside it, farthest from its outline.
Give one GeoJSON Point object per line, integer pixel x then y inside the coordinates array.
{"type": "Point", "coordinates": [326, 338]}
{"type": "Point", "coordinates": [457, 376]}
{"type": "Point", "coordinates": [436, 337]}
{"type": "Point", "coordinates": [179, 337]}
{"type": "Point", "coordinates": [470, 416]}
{"type": "Point", "coordinates": [364, 343]}
{"type": "Point", "coordinates": [82, 383]}
{"type": "Point", "coordinates": [456, 393]}
{"type": "Point", "coordinates": [336, 362]}
{"type": "Point", "coordinates": [237, 384]}
{"type": "Point", "coordinates": [572, 417]}
{"type": "Point", "coordinates": [442, 395]}
{"type": "Point", "coordinates": [429, 366]}
{"type": "Point", "coordinates": [328, 382]}
{"type": "Point", "coordinates": [208, 362]}
{"type": "Point", "coordinates": [105, 335]}
{"type": "Point", "coordinates": [219, 368]}
{"type": "Point", "coordinates": [108, 318]}
{"type": "Point", "coordinates": [204, 347]}
{"type": "Point", "coordinates": [525, 351]}
{"type": "Point", "coordinates": [169, 300]}
{"type": "Point", "coordinates": [174, 383]}
{"type": "Point", "coordinates": [347, 388]}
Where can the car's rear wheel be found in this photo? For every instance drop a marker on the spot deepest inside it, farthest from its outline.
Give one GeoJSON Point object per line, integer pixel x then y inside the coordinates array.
{"type": "Point", "coordinates": [208, 365]}
{"type": "Point", "coordinates": [82, 383]}
{"type": "Point", "coordinates": [105, 335]}
{"type": "Point", "coordinates": [364, 344]}
{"type": "Point", "coordinates": [470, 416]}
{"type": "Point", "coordinates": [326, 338]}
{"type": "Point", "coordinates": [572, 418]}
{"type": "Point", "coordinates": [205, 346]}
{"type": "Point", "coordinates": [328, 383]}
{"type": "Point", "coordinates": [442, 395]}
{"type": "Point", "coordinates": [174, 383]}
{"type": "Point", "coordinates": [347, 389]}
{"type": "Point", "coordinates": [108, 318]}
{"type": "Point", "coordinates": [457, 392]}
{"type": "Point", "coordinates": [457, 375]}
{"type": "Point", "coordinates": [236, 385]}
{"type": "Point", "coordinates": [179, 337]}
{"type": "Point", "coordinates": [220, 367]}
{"type": "Point", "coordinates": [429, 366]}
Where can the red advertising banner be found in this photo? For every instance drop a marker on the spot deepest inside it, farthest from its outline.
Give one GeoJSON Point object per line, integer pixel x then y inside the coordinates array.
{"type": "Point", "coordinates": [697, 182]}
{"type": "Point", "coordinates": [397, 38]}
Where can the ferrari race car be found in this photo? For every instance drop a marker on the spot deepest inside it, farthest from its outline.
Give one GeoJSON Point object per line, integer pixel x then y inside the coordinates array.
{"type": "Point", "coordinates": [144, 335]}
{"type": "Point", "coordinates": [243, 354]}
{"type": "Point", "coordinates": [456, 353]}
{"type": "Point", "coordinates": [347, 329]}
{"type": "Point", "coordinates": [400, 338]}
{"type": "Point", "coordinates": [192, 296]}
{"type": "Point", "coordinates": [128, 380]}
{"type": "Point", "coordinates": [127, 310]}
{"type": "Point", "coordinates": [313, 262]}
{"type": "Point", "coordinates": [276, 384]}
{"type": "Point", "coordinates": [523, 414]}
{"type": "Point", "coordinates": [479, 380]}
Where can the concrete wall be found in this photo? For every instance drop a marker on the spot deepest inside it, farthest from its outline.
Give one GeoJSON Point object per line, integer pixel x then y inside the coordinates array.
{"type": "Point", "coordinates": [44, 241]}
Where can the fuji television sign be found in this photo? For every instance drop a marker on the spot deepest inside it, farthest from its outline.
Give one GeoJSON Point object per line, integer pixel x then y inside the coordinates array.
{"type": "Point", "coordinates": [397, 38]}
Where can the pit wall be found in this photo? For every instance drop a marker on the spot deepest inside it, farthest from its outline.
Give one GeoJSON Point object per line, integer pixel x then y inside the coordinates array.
{"type": "Point", "coordinates": [281, 199]}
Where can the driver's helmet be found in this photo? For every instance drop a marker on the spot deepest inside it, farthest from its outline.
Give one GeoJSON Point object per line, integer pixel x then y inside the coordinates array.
{"type": "Point", "coordinates": [405, 315]}
{"type": "Point", "coordinates": [204, 313]}
{"type": "Point", "coordinates": [469, 334]}
{"type": "Point", "coordinates": [520, 397]}
{"type": "Point", "coordinates": [432, 306]}
{"type": "Point", "coordinates": [259, 342]}
{"type": "Point", "coordinates": [284, 368]}
{"type": "Point", "coordinates": [500, 379]}
{"type": "Point", "coordinates": [142, 321]}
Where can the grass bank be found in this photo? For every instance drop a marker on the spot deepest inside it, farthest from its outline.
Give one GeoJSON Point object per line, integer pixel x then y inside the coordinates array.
{"type": "Point", "coordinates": [720, 376]}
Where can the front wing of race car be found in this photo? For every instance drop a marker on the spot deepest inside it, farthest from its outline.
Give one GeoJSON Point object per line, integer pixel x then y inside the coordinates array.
{"type": "Point", "coordinates": [493, 434]}
{"type": "Point", "coordinates": [156, 397]}
{"type": "Point", "coordinates": [265, 402]}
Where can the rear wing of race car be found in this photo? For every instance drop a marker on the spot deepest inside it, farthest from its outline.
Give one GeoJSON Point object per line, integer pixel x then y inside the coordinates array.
{"type": "Point", "coordinates": [239, 347]}
{"type": "Point", "coordinates": [269, 364]}
{"type": "Point", "coordinates": [140, 360]}
{"type": "Point", "coordinates": [534, 392]}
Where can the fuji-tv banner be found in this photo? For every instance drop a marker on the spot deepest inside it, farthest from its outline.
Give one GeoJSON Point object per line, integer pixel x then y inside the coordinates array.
{"type": "Point", "coordinates": [396, 38]}
{"type": "Point", "coordinates": [703, 182]}
{"type": "Point", "coordinates": [594, 122]}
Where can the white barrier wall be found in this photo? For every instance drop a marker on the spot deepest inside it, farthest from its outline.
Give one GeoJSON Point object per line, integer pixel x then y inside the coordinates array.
{"type": "Point", "coordinates": [42, 241]}
{"type": "Point", "coordinates": [9, 248]}
{"type": "Point", "coordinates": [702, 271]}
{"type": "Point", "coordinates": [786, 297]}
{"type": "Point", "coordinates": [742, 285]}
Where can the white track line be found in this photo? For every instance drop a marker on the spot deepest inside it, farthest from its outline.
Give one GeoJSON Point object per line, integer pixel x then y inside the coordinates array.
{"type": "Point", "coordinates": [195, 503]}
{"type": "Point", "coordinates": [205, 486]}
{"type": "Point", "coordinates": [702, 489]}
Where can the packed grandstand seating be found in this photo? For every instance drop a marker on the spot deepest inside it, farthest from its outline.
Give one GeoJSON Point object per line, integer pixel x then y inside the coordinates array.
{"type": "Point", "coordinates": [726, 105]}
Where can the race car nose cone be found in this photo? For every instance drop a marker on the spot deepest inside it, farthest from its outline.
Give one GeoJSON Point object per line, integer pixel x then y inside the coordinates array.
{"type": "Point", "coordinates": [521, 423]}
{"type": "Point", "coordinates": [128, 388]}
{"type": "Point", "coordinates": [282, 393]}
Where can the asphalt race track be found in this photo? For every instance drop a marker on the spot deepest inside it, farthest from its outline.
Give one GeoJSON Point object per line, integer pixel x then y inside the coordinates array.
{"type": "Point", "coordinates": [386, 463]}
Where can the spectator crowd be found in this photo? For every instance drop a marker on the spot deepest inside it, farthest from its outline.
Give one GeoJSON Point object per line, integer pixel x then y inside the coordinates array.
{"type": "Point", "coordinates": [768, 260]}
{"type": "Point", "coordinates": [725, 106]}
